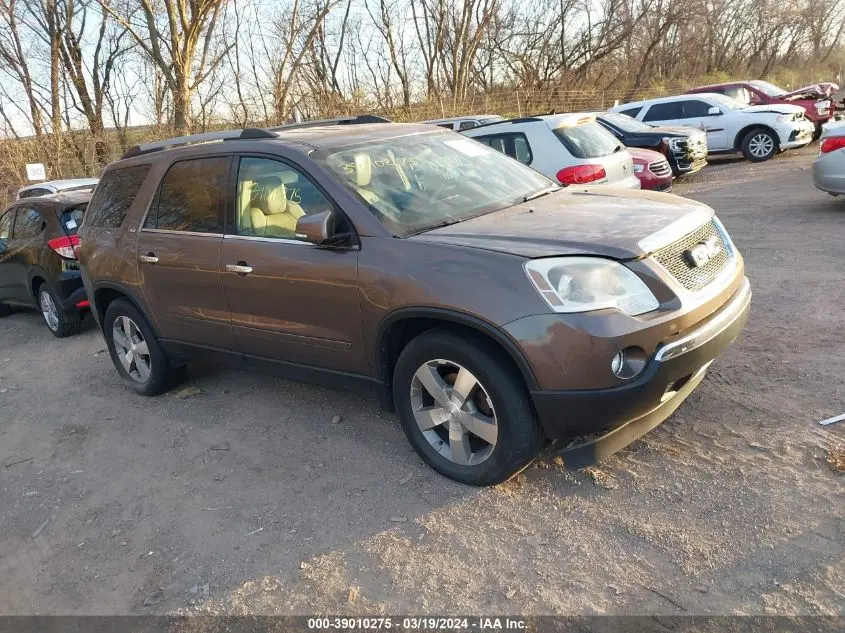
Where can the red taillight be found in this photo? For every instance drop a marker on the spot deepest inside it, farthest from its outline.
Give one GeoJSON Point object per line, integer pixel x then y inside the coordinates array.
{"type": "Point", "coordinates": [581, 174]}
{"type": "Point", "coordinates": [65, 246]}
{"type": "Point", "coordinates": [83, 304]}
{"type": "Point", "coordinates": [832, 144]}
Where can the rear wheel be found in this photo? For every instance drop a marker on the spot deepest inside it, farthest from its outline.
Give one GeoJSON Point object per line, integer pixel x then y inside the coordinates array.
{"type": "Point", "coordinates": [134, 350]}
{"type": "Point", "coordinates": [759, 145]}
{"type": "Point", "coordinates": [60, 322]}
{"type": "Point", "coordinates": [5, 310]}
{"type": "Point", "coordinates": [464, 409]}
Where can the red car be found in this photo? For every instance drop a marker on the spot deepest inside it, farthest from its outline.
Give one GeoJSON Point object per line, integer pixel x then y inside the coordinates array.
{"type": "Point", "coordinates": [814, 99]}
{"type": "Point", "coordinates": [652, 169]}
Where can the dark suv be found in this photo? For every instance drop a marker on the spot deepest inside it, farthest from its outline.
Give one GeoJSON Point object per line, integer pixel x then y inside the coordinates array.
{"type": "Point", "coordinates": [38, 264]}
{"type": "Point", "coordinates": [491, 309]}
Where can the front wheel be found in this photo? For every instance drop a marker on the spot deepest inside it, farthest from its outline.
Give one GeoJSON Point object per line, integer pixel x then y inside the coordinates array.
{"type": "Point", "coordinates": [759, 145]}
{"type": "Point", "coordinates": [464, 409]}
{"type": "Point", "coordinates": [135, 351]}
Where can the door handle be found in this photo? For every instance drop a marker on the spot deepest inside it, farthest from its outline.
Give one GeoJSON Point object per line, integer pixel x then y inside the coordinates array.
{"type": "Point", "coordinates": [241, 268]}
{"type": "Point", "coordinates": [149, 258]}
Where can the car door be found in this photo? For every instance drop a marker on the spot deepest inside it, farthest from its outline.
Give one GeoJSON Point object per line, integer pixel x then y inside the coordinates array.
{"type": "Point", "coordinates": [699, 113]}
{"type": "Point", "coordinates": [7, 285]}
{"type": "Point", "coordinates": [22, 252]}
{"type": "Point", "coordinates": [290, 300]}
{"type": "Point", "coordinates": [178, 253]}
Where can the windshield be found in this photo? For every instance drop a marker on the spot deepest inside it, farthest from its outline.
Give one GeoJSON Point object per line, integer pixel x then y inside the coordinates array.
{"type": "Point", "coordinates": [414, 183]}
{"type": "Point", "coordinates": [727, 102]}
{"type": "Point", "coordinates": [770, 89]}
{"type": "Point", "coordinates": [625, 122]}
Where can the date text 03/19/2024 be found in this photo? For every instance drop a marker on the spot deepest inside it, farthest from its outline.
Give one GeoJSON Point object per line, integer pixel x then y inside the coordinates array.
{"type": "Point", "coordinates": [429, 623]}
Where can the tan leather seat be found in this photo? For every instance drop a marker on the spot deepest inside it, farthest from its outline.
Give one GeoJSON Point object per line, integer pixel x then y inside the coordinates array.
{"type": "Point", "coordinates": [363, 177]}
{"type": "Point", "coordinates": [271, 212]}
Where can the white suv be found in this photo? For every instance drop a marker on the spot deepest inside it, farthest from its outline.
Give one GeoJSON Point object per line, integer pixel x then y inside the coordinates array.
{"type": "Point", "coordinates": [570, 148]}
{"type": "Point", "coordinates": [759, 132]}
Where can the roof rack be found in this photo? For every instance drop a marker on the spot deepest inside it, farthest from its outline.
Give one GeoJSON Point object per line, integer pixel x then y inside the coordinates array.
{"type": "Point", "coordinates": [350, 120]}
{"type": "Point", "coordinates": [207, 137]}
{"type": "Point", "coordinates": [524, 119]}
{"type": "Point", "coordinates": [244, 134]}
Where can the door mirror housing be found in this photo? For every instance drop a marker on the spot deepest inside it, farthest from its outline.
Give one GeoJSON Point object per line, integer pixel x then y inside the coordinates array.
{"type": "Point", "coordinates": [316, 228]}
{"type": "Point", "coordinates": [714, 111]}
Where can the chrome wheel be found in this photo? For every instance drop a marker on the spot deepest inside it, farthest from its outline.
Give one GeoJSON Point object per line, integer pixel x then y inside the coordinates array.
{"type": "Point", "coordinates": [761, 145]}
{"type": "Point", "coordinates": [454, 412]}
{"type": "Point", "coordinates": [131, 348]}
{"type": "Point", "coordinates": [49, 310]}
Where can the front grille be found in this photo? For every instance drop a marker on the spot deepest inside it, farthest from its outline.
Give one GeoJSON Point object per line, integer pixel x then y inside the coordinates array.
{"type": "Point", "coordinates": [693, 278]}
{"type": "Point", "coordinates": [660, 168]}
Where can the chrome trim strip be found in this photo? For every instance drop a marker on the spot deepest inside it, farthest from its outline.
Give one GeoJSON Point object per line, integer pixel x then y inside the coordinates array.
{"type": "Point", "coordinates": [258, 238]}
{"type": "Point", "coordinates": [168, 231]}
{"type": "Point", "coordinates": [712, 329]}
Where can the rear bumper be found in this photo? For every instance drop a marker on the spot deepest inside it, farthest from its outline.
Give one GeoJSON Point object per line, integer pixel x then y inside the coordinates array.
{"type": "Point", "coordinates": [70, 291]}
{"type": "Point", "coordinates": [829, 172]}
{"type": "Point", "coordinates": [600, 422]}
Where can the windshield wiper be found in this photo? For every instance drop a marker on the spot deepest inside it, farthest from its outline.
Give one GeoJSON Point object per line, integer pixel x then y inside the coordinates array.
{"type": "Point", "coordinates": [540, 193]}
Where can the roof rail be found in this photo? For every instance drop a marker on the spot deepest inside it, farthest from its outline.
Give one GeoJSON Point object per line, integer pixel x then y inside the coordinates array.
{"type": "Point", "coordinates": [350, 120]}
{"type": "Point", "coordinates": [524, 119]}
{"type": "Point", "coordinates": [207, 137]}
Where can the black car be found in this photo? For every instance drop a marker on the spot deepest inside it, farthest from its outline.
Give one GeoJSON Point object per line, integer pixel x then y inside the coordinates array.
{"type": "Point", "coordinates": [38, 265]}
{"type": "Point", "coordinates": [684, 147]}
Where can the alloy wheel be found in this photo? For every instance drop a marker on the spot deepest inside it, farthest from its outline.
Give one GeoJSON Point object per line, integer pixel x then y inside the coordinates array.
{"type": "Point", "coordinates": [49, 310]}
{"type": "Point", "coordinates": [761, 145]}
{"type": "Point", "coordinates": [454, 412]}
{"type": "Point", "coordinates": [131, 348]}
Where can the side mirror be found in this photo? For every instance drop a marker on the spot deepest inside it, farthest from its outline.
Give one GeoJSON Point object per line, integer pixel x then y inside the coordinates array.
{"type": "Point", "coordinates": [714, 111]}
{"type": "Point", "coordinates": [317, 228]}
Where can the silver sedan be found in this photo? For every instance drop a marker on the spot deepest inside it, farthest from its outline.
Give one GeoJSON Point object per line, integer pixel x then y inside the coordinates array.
{"type": "Point", "coordinates": [829, 167]}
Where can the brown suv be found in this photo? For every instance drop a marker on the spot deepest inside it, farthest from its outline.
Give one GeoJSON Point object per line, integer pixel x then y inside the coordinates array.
{"type": "Point", "coordinates": [490, 308]}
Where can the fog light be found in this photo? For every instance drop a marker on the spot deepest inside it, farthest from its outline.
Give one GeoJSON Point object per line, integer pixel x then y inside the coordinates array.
{"type": "Point", "coordinates": [628, 363]}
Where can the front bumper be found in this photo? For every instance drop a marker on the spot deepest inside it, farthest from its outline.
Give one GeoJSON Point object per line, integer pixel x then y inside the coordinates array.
{"type": "Point", "coordinates": [599, 422]}
{"type": "Point", "coordinates": [798, 134]}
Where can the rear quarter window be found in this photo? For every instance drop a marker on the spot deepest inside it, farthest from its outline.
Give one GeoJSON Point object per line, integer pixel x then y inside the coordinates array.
{"type": "Point", "coordinates": [114, 195]}
{"type": "Point", "coordinates": [71, 218]}
{"type": "Point", "coordinates": [632, 112]}
{"type": "Point", "coordinates": [587, 140]}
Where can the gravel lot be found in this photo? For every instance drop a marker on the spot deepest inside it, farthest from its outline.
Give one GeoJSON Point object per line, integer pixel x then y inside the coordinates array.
{"type": "Point", "coordinates": [238, 493]}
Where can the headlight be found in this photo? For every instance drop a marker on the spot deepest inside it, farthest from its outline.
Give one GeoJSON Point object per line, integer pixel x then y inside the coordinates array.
{"type": "Point", "coordinates": [674, 142]}
{"type": "Point", "coordinates": [638, 169]}
{"type": "Point", "coordinates": [581, 284]}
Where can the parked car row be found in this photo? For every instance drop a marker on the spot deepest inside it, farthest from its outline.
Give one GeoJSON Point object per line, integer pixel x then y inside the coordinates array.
{"type": "Point", "coordinates": [493, 309]}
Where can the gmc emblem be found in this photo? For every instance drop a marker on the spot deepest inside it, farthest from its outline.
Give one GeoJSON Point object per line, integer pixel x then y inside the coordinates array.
{"type": "Point", "coordinates": [703, 252]}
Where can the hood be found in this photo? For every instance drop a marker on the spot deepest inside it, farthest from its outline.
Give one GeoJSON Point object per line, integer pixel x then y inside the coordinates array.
{"type": "Point", "coordinates": [813, 91]}
{"type": "Point", "coordinates": [599, 221]}
{"type": "Point", "coordinates": [678, 130]}
{"type": "Point", "coordinates": [776, 108]}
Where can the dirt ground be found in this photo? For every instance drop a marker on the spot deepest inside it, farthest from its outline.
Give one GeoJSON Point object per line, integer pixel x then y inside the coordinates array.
{"type": "Point", "coordinates": [238, 493]}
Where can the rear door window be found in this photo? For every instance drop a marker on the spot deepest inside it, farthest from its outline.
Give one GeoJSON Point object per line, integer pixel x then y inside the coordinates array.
{"type": "Point", "coordinates": [29, 223]}
{"type": "Point", "coordinates": [192, 197]}
{"type": "Point", "coordinates": [6, 224]}
{"type": "Point", "coordinates": [587, 140]}
{"type": "Point", "coordinates": [114, 195]}
{"type": "Point", "coordinates": [514, 145]}
{"type": "Point", "coordinates": [664, 111]}
{"type": "Point", "coordinates": [695, 109]}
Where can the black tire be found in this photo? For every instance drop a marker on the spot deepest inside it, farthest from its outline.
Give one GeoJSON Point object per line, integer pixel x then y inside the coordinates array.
{"type": "Point", "coordinates": [65, 322]}
{"type": "Point", "coordinates": [162, 374]}
{"type": "Point", "coordinates": [519, 437]}
{"type": "Point", "coordinates": [817, 132]}
{"type": "Point", "coordinates": [5, 310]}
{"type": "Point", "coordinates": [759, 136]}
